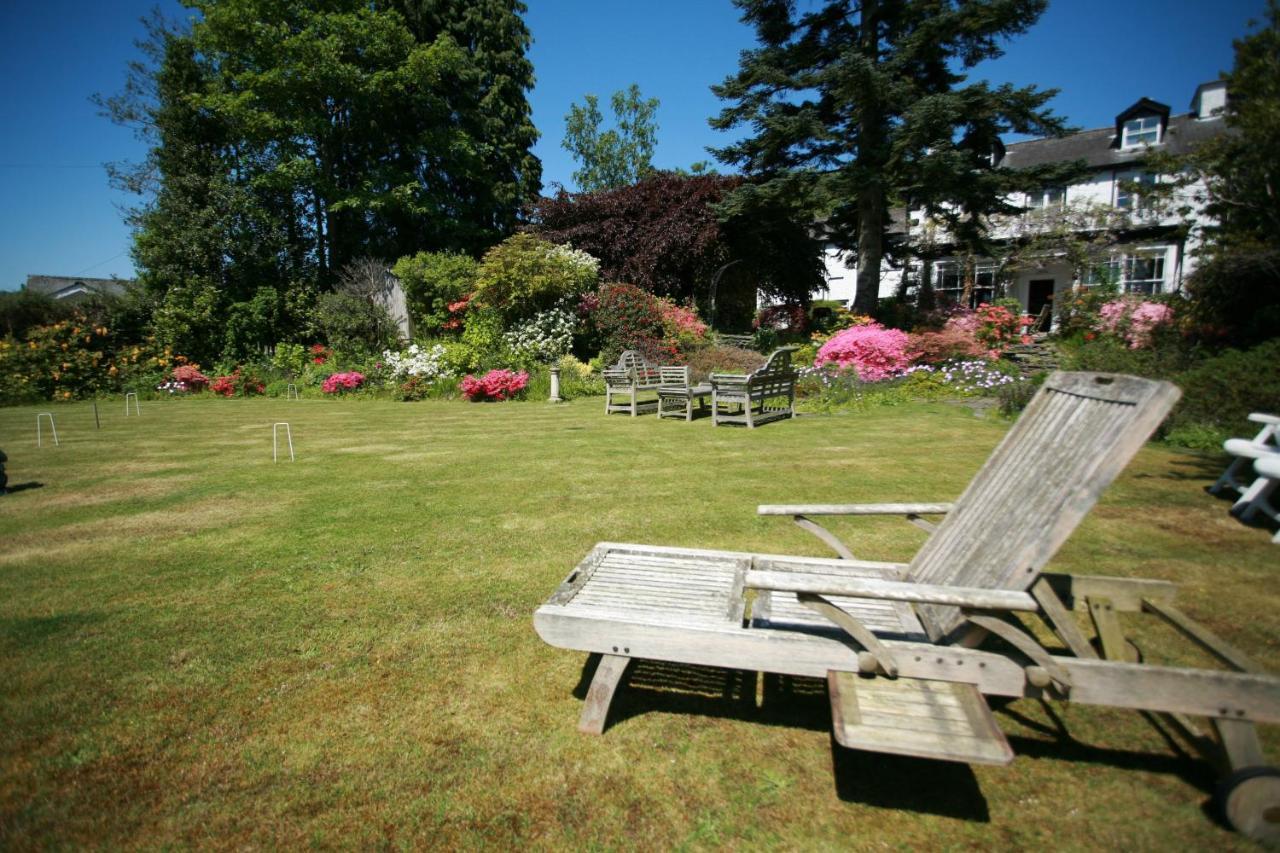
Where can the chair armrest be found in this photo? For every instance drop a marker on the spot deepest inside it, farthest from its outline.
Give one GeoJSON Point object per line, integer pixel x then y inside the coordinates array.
{"type": "Point", "coordinates": [957, 596]}
{"type": "Point", "coordinates": [1249, 449]}
{"type": "Point", "coordinates": [1268, 467]}
{"type": "Point", "coordinates": [1263, 418]}
{"type": "Point", "coordinates": [855, 509]}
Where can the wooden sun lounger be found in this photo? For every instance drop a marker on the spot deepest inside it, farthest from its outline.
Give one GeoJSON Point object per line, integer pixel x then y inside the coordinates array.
{"type": "Point", "coordinates": [900, 644]}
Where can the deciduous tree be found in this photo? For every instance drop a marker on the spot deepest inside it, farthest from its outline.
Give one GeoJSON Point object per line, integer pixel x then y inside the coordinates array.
{"type": "Point", "coordinates": [612, 158]}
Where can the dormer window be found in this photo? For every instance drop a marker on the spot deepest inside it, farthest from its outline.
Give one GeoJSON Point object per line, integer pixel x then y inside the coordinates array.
{"type": "Point", "coordinates": [1141, 131]}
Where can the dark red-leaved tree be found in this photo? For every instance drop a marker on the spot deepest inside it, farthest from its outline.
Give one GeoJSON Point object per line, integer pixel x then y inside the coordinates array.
{"type": "Point", "coordinates": [664, 234]}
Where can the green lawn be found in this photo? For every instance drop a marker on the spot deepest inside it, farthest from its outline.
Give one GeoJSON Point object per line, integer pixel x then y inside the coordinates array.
{"type": "Point", "coordinates": [201, 647]}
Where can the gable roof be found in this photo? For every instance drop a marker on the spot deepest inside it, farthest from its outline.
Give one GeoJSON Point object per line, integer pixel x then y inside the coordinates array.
{"type": "Point", "coordinates": [1100, 148]}
{"type": "Point", "coordinates": [67, 287]}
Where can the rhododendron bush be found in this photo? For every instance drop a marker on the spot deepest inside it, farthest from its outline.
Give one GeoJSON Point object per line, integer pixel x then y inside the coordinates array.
{"type": "Point", "coordinates": [340, 382]}
{"type": "Point", "coordinates": [185, 378]}
{"type": "Point", "coordinates": [875, 352]}
{"type": "Point", "coordinates": [494, 385]}
{"type": "Point", "coordinates": [1134, 320]}
{"type": "Point", "coordinates": [237, 382]}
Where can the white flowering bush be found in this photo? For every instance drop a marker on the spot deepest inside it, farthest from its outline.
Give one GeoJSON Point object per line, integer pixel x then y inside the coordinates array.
{"type": "Point", "coordinates": [584, 264]}
{"type": "Point", "coordinates": [970, 377]}
{"type": "Point", "coordinates": [525, 274]}
{"type": "Point", "coordinates": [417, 362]}
{"type": "Point", "coordinates": [545, 337]}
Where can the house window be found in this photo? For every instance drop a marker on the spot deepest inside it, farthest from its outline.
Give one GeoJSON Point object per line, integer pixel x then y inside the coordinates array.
{"type": "Point", "coordinates": [950, 284]}
{"type": "Point", "coordinates": [1141, 131]}
{"type": "Point", "coordinates": [1050, 198]}
{"type": "Point", "coordinates": [1129, 194]}
{"type": "Point", "coordinates": [1141, 272]}
{"type": "Point", "coordinates": [1144, 272]}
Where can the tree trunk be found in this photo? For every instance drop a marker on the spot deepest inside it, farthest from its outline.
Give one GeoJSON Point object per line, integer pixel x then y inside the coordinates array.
{"type": "Point", "coordinates": [870, 250]}
{"type": "Point", "coordinates": [871, 199]}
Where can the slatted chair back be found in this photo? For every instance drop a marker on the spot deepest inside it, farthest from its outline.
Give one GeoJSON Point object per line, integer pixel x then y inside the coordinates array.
{"type": "Point", "coordinates": [674, 377]}
{"type": "Point", "coordinates": [776, 376]}
{"type": "Point", "coordinates": [1079, 431]}
{"type": "Point", "coordinates": [632, 368]}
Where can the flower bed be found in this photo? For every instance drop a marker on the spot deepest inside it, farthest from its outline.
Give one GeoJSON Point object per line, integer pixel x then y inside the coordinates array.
{"type": "Point", "coordinates": [495, 385]}
{"type": "Point", "coordinates": [340, 383]}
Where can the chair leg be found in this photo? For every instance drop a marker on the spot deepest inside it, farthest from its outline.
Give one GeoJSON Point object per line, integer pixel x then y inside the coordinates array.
{"type": "Point", "coordinates": [1228, 479]}
{"type": "Point", "coordinates": [600, 695]}
{"type": "Point", "coordinates": [1254, 499]}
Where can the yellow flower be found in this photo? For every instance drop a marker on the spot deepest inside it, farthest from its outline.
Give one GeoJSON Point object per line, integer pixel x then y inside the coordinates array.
{"type": "Point", "coordinates": [114, 370]}
{"type": "Point", "coordinates": [64, 347]}
{"type": "Point", "coordinates": [66, 395]}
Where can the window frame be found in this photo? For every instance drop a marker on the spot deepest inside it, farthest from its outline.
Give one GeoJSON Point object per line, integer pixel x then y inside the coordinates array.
{"type": "Point", "coordinates": [1049, 198]}
{"type": "Point", "coordinates": [984, 282]}
{"type": "Point", "coordinates": [1132, 200]}
{"type": "Point", "coordinates": [1128, 135]}
{"type": "Point", "coordinates": [1122, 267]}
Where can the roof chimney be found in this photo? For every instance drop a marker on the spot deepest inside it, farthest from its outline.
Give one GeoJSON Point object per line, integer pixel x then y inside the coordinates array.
{"type": "Point", "coordinates": [1210, 99]}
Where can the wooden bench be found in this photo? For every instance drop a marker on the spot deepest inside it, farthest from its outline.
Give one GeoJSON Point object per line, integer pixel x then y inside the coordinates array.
{"type": "Point", "coordinates": [631, 375]}
{"type": "Point", "coordinates": [676, 394]}
{"type": "Point", "coordinates": [754, 399]}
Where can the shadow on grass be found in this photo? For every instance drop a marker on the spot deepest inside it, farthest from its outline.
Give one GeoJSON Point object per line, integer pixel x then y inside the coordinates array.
{"type": "Point", "coordinates": [28, 632]}
{"type": "Point", "coordinates": [1201, 466]}
{"type": "Point", "coordinates": [22, 487]}
{"type": "Point", "coordinates": [886, 781]}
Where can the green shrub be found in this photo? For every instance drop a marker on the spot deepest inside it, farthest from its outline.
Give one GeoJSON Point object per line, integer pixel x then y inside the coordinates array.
{"type": "Point", "coordinates": [721, 359]}
{"type": "Point", "coordinates": [289, 359]}
{"type": "Point", "coordinates": [352, 323]}
{"type": "Point", "coordinates": [1015, 396]}
{"type": "Point", "coordinates": [433, 281]}
{"type": "Point", "coordinates": [483, 337]}
{"type": "Point", "coordinates": [1197, 436]}
{"type": "Point", "coordinates": [626, 317]}
{"type": "Point", "coordinates": [1169, 355]}
{"type": "Point", "coordinates": [1220, 392]}
{"type": "Point", "coordinates": [524, 275]}
{"type": "Point", "coordinates": [25, 309]}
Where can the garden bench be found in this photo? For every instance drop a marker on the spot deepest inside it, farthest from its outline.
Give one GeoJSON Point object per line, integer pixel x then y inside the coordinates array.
{"type": "Point", "coordinates": [676, 395]}
{"type": "Point", "coordinates": [754, 399]}
{"type": "Point", "coordinates": [626, 379]}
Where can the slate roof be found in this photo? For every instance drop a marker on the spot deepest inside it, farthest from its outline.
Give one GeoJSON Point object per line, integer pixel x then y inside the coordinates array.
{"type": "Point", "coordinates": [1100, 148]}
{"type": "Point", "coordinates": [66, 287]}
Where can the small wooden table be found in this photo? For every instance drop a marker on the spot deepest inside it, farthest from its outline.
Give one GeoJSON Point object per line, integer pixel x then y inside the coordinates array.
{"type": "Point", "coordinates": [674, 401]}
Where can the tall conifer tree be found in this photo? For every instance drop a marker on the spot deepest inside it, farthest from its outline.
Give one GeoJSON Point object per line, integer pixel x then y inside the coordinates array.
{"type": "Point", "coordinates": [860, 105]}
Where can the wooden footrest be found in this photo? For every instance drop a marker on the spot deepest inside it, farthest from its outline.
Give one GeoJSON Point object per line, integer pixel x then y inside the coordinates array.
{"type": "Point", "coordinates": [912, 716]}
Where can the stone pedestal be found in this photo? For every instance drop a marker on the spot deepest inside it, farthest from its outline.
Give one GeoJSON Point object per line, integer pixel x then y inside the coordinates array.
{"type": "Point", "coordinates": [555, 384]}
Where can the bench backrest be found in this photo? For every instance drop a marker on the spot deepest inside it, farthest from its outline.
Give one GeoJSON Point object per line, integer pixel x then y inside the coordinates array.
{"type": "Point", "coordinates": [674, 377]}
{"type": "Point", "coordinates": [1076, 435]}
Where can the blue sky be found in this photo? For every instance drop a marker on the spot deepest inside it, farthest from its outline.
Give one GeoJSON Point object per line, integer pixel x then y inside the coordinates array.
{"type": "Point", "coordinates": [59, 217]}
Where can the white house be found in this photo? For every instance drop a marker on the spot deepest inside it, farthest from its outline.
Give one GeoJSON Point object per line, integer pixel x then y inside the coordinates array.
{"type": "Point", "coordinates": [1147, 246]}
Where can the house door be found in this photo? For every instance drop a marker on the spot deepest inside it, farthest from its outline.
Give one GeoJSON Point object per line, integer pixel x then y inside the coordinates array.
{"type": "Point", "coordinates": [1039, 294]}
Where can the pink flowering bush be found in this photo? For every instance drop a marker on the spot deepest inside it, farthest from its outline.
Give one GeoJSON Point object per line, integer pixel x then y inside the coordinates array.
{"type": "Point", "coordinates": [1134, 320]}
{"type": "Point", "coordinates": [875, 352]}
{"type": "Point", "coordinates": [494, 385]}
{"type": "Point", "coordinates": [340, 382]}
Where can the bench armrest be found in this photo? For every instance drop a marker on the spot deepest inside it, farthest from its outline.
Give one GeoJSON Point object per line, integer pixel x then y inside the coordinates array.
{"type": "Point", "coordinates": [957, 596]}
{"type": "Point", "coordinates": [855, 509]}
